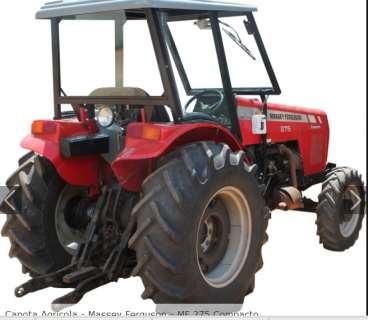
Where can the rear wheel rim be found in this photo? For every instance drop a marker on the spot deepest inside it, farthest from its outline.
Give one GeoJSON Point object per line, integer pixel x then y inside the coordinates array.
{"type": "Point", "coordinates": [227, 267]}
{"type": "Point", "coordinates": [350, 216]}
{"type": "Point", "coordinates": [69, 237]}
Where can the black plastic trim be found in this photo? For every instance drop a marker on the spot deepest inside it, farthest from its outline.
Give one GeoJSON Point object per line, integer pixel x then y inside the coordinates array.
{"type": "Point", "coordinates": [85, 145]}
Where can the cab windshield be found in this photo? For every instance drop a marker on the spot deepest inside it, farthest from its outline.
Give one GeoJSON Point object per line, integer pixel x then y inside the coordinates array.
{"type": "Point", "coordinates": [192, 47]}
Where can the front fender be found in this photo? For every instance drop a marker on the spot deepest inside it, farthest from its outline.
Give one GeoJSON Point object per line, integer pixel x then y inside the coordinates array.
{"type": "Point", "coordinates": [80, 171]}
{"type": "Point", "coordinates": [138, 158]}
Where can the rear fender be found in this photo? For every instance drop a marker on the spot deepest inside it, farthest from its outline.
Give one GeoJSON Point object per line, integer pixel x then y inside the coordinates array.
{"type": "Point", "coordinates": [80, 171]}
{"type": "Point", "coordinates": [139, 156]}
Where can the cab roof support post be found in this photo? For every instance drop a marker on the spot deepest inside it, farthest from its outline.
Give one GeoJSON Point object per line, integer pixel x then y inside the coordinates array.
{"type": "Point", "coordinates": [155, 20]}
{"type": "Point", "coordinates": [56, 66]}
{"type": "Point", "coordinates": [119, 50]}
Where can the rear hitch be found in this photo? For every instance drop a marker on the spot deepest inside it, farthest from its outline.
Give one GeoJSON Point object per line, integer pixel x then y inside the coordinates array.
{"type": "Point", "coordinates": [42, 282]}
{"type": "Point", "coordinates": [77, 294]}
{"type": "Point", "coordinates": [82, 280]}
{"type": "Point", "coordinates": [84, 274]}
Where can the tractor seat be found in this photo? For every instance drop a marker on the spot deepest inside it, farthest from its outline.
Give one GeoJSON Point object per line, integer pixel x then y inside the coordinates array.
{"type": "Point", "coordinates": [156, 114]}
{"type": "Point", "coordinates": [119, 92]}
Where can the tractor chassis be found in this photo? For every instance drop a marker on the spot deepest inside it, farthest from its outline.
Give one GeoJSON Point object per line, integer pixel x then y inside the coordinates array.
{"type": "Point", "coordinates": [83, 273]}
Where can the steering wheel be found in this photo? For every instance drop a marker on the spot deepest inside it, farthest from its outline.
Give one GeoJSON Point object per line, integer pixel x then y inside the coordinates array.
{"type": "Point", "coordinates": [212, 108]}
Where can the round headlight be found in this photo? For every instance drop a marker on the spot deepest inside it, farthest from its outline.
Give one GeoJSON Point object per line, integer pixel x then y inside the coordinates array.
{"type": "Point", "coordinates": [105, 116]}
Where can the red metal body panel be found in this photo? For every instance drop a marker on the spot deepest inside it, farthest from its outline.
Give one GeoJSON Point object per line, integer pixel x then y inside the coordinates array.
{"type": "Point", "coordinates": [81, 171]}
{"type": "Point", "coordinates": [138, 158]}
{"type": "Point", "coordinates": [309, 127]}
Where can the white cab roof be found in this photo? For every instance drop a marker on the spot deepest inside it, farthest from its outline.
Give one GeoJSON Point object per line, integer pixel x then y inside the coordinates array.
{"type": "Point", "coordinates": [77, 7]}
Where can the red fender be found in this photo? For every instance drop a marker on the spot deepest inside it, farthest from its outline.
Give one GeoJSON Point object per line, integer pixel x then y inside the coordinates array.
{"type": "Point", "coordinates": [81, 171]}
{"type": "Point", "coordinates": [147, 142]}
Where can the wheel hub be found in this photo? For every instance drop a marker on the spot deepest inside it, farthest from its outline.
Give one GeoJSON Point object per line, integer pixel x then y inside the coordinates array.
{"type": "Point", "coordinates": [72, 213]}
{"type": "Point", "coordinates": [78, 213]}
{"type": "Point", "coordinates": [223, 237]}
{"type": "Point", "coordinates": [209, 238]}
{"type": "Point", "coordinates": [214, 235]}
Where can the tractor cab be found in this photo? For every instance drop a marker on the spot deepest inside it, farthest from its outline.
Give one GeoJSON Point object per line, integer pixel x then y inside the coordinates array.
{"type": "Point", "coordinates": [156, 61]}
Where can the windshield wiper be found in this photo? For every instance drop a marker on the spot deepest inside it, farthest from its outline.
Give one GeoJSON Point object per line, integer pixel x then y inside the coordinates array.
{"type": "Point", "coordinates": [234, 35]}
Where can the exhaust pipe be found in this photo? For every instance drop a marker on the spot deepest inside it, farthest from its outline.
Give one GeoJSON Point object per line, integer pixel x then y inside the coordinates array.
{"type": "Point", "coordinates": [293, 161]}
{"type": "Point", "coordinates": [289, 198]}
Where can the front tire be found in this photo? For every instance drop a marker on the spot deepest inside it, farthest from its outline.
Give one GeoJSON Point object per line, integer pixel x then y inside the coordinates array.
{"type": "Point", "coordinates": [340, 209]}
{"type": "Point", "coordinates": [204, 187]}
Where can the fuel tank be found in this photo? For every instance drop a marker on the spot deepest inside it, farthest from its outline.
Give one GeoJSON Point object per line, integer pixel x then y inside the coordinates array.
{"type": "Point", "coordinates": [308, 127]}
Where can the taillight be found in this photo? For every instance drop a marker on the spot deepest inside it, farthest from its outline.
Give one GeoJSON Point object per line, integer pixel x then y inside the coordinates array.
{"type": "Point", "coordinates": [43, 127]}
{"type": "Point", "coordinates": [144, 131]}
{"type": "Point", "coordinates": [151, 133]}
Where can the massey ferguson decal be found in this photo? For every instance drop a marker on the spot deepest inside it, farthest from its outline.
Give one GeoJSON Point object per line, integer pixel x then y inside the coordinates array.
{"type": "Point", "coordinates": [246, 113]}
{"type": "Point", "coordinates": [286, 116]}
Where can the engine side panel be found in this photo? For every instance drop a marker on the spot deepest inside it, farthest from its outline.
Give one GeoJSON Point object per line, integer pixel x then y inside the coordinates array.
{"type": "Point", "coordinates": [309, 127]}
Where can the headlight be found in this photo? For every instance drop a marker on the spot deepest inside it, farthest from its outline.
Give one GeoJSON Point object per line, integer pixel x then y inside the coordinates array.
{"type": "Point", "coordinates": [105, 116]}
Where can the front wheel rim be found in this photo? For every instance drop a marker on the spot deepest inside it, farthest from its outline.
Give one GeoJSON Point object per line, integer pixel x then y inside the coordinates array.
{"type": "Point", "coordinates": [239, 238]}
{"type": "Point", "coordinates": [350, 215]}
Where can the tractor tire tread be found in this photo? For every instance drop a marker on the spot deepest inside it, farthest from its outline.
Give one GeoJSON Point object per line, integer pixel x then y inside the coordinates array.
{"type": "Point", "coordinates": [327, 209]}
{"type": "Point", "coordinates": [184, 164]}
{"type": "Point", "coordinates": [25, 229]}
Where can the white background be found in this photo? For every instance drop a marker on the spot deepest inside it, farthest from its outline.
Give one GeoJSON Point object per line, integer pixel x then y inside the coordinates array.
{"type": "Point", "coordinates": [318, 50]}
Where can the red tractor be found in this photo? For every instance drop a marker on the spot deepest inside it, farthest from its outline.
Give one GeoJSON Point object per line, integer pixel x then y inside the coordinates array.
{"type": "Point", "coordinates": [175, 188]}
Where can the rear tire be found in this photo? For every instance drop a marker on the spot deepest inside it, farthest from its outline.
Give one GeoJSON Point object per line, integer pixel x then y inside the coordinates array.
{"type": "Point", "coordinates": [339, 211]}
{"type": "Point", "coordinates": [30, 226]}
{"type": "Point", "coordinates": [175, 201]}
